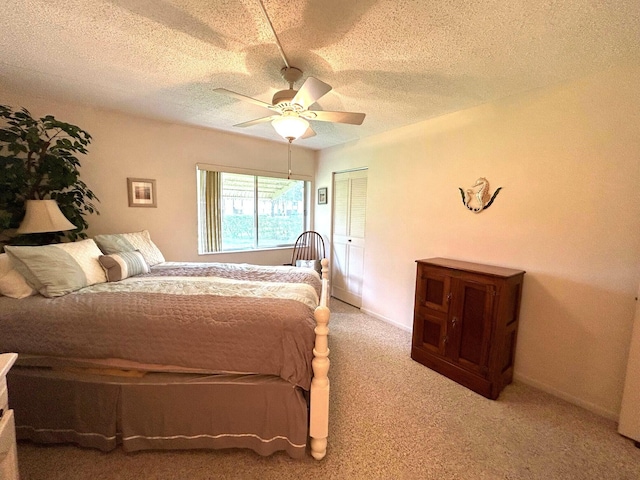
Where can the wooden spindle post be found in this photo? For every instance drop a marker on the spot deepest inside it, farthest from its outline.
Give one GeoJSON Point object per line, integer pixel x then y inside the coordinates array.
{"type": "Point", "coordinates": [319, 411]}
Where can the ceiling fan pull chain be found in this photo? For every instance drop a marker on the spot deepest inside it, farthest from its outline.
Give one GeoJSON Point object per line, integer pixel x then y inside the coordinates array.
{"type": "Point", "coordinates": [289, 164]}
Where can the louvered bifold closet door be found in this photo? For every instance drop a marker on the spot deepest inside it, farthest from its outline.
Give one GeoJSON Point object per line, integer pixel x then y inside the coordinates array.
{"type": "Point", "coordinates": [349, 215]}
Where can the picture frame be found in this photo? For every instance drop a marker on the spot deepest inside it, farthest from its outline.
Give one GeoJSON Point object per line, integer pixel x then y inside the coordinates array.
{"type": "Point", "coordinates": [142, 192]}
{"type": "Point", "coordinates": [322, 196]}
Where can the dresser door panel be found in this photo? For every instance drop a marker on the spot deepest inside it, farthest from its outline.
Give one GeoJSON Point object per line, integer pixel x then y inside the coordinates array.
{"type": "Point", "coordinates": [471, 325]}
{"type": "Point", "coordinates": [433, 290]}
{"type": "Point", "coordinates": [430, 330]}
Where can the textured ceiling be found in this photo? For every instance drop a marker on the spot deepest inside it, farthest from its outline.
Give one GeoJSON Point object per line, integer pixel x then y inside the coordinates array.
{"type": "Point", "coordinates": [399, 61]}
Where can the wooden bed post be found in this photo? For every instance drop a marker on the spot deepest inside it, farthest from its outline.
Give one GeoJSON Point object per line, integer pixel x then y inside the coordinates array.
{"type": "Point", "coordinates": [319, 410]}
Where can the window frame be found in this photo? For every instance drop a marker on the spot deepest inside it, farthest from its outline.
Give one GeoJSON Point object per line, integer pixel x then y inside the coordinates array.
{"type": "Point", "coordinates": [307, 192]}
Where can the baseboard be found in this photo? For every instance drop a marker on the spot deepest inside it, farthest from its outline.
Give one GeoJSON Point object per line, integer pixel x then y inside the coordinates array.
{"type": "Point", "coordinates": [386, 320]}
{"type": "Point", "coordinates": [603, 412]}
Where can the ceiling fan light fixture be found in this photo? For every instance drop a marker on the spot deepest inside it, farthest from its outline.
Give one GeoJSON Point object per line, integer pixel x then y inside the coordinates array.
{"type": "Point", "coordinates": [290, 127]}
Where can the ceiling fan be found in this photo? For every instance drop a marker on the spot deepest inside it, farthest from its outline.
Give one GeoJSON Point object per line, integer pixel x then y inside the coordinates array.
{"type": "Point", "coordinates": [291, 107]}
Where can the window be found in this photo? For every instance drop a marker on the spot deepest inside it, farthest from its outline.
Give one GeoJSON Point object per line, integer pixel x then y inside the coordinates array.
{"type": "Point", "coordinates": [246, 212]}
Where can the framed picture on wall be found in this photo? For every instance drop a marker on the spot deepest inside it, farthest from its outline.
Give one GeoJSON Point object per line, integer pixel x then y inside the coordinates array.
{"type": "Point", "coordinates": [322, 196]}
{"type": "Point", "coordinates": [142, 192]}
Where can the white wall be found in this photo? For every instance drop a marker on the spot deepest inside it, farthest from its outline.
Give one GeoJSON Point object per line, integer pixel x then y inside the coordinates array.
{"type": "Point", "coordinates": [568, 159]}
{"type": "Point", "coordinates": [125, 146]}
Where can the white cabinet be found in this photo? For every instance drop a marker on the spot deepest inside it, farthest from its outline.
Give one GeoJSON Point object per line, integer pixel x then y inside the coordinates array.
{"type": "Point", "coordinates": [629, 425]}
{"type": "Point", "coordinates": [8, 450]}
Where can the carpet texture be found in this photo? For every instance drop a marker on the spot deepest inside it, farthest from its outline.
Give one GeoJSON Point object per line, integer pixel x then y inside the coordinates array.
{"type": "Point", "coordinates": [391, 418]}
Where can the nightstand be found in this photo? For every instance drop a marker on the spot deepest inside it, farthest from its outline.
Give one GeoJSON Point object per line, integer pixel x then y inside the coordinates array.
{"type": "Point", "coordinates": [8, 450]}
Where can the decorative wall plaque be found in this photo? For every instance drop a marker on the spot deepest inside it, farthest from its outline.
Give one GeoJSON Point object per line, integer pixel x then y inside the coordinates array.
{"type": "Point", "coordinates": [478, 197]}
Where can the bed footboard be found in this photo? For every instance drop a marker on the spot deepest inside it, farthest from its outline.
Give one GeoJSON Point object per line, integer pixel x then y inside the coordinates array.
{"type": "Point", "coordinates": [319, 409]}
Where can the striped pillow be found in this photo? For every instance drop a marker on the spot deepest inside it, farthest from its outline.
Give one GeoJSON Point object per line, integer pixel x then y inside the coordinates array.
{"type": "Point", "coordinates": [128, 242]}
{"type": "Point", "coordinates": [55, 270]}
{"type": "Point", "coordinates": [119, 266]}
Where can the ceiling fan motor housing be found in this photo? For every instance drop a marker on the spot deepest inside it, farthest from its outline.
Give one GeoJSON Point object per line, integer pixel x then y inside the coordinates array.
{"type": "Point", "coordinates": [282, 99]}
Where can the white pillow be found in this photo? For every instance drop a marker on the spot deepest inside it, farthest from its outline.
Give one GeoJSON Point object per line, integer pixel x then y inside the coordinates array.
{"type": "Point", "coordinates": [12, 284]}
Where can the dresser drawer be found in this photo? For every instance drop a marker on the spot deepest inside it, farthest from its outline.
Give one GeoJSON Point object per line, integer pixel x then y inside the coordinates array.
{"type": "Point", "coordinates": [7, 433]}
{"type": "Point", "coordinates": [8, 451]}
{"type": "Point", "coordinates": [4, 396]}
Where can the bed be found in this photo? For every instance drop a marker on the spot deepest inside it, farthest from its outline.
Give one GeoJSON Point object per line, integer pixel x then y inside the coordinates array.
{"type": "Point", "coordinates": [167, 355]}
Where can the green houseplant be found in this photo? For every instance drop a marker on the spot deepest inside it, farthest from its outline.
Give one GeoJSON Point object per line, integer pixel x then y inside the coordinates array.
{"type": "Point", "coordinates": [39, 160]}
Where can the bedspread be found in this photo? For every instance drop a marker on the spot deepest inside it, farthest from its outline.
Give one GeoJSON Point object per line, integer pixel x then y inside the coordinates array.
{"type": "Point", "coordinates": [218, 318]}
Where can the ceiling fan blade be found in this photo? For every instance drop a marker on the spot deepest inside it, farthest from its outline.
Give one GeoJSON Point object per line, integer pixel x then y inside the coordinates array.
{"type": "Point", "coordinates": [338, 117]}
{"type": "Point", "coordinates": [239, 96]}
{"type": "Point", "coordinates": [309, 133]}
{"type": "Point", "coordinates": [312, 89]}
{"type": "Point", "coordinates": [256, 121]}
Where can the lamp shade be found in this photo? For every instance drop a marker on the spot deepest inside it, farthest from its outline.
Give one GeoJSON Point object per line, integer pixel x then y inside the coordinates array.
{"type": "Point", "coordinates": [290, 126]}
{"type": "Point", "coordinates": [44, 216]}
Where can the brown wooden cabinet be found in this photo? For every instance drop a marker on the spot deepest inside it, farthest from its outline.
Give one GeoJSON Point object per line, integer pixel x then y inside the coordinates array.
{"type": "Point", "coordinates": [466, 321]}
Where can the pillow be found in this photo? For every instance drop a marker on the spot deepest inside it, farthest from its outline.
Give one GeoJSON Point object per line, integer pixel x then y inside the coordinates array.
{"type": "Point", "coordinates": [58, 269]}
{"type": "Point", "coordinates": [128, 242]}
{"type": "Point", "coordinates": [12, 284]}
{"type": "Point", "coordinates": [119, 266]}
{"type": "Point", "coordinates": [315, 264]}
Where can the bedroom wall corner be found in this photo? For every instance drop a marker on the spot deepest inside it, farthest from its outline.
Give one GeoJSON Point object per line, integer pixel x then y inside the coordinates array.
{"type": "Point", "coordinates": [568, 159]}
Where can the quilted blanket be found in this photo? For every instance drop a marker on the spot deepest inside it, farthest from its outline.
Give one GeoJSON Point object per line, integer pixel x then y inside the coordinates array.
{"type": "Point", "coordinates": [217, 318]}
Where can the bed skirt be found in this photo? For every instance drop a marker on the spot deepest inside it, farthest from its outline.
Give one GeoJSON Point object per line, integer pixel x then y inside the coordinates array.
{"type": "Point", "coordinates": [159, 411]}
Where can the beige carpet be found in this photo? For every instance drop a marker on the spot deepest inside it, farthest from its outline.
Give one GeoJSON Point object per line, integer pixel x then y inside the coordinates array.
{"type": "Point", "coordinates": [391, 418]}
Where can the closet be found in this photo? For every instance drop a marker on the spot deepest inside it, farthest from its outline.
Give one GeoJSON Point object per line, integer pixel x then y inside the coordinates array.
{"type": "Point", "coordinates": [348, 241]}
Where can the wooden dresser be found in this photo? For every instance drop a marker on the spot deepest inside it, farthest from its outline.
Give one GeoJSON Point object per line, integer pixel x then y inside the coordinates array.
{"type": "Point", "coordinates": [8, 450]}
{"type": "Point", "coordinates": [465, 322]}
